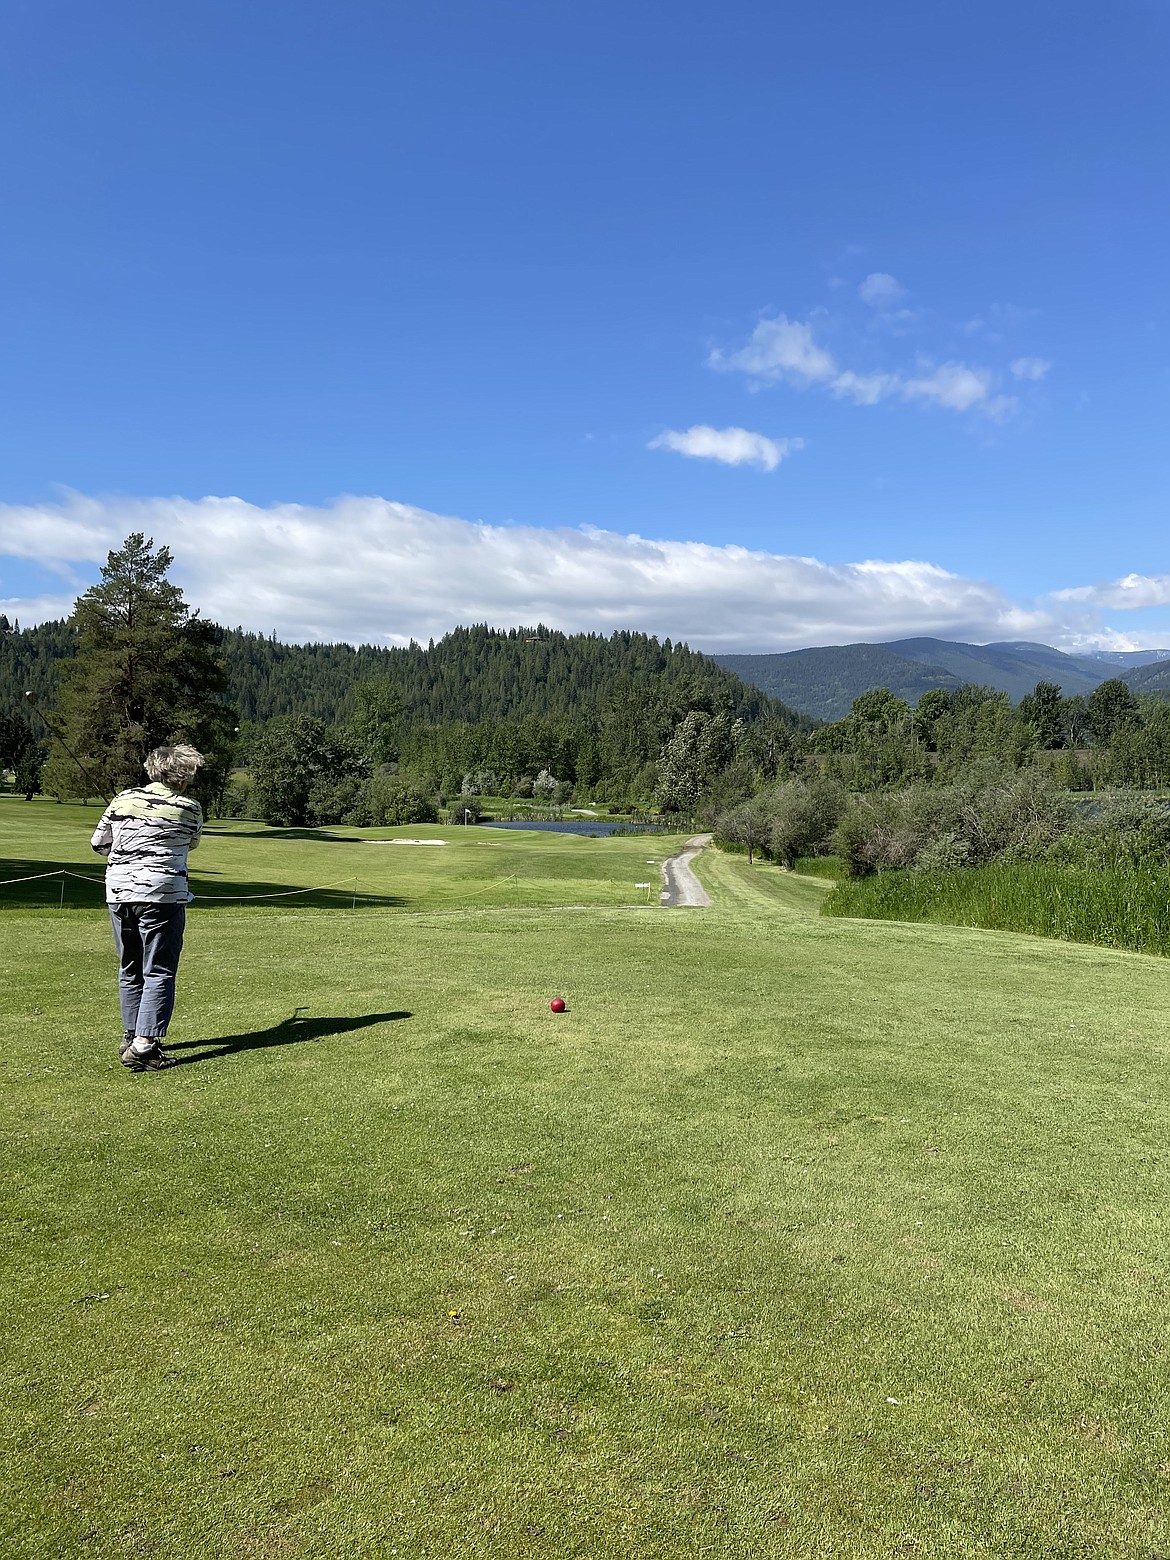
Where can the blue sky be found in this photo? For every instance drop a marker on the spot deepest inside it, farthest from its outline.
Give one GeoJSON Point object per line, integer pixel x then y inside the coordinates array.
{"type": "Point", "coordinates": [837, 282]}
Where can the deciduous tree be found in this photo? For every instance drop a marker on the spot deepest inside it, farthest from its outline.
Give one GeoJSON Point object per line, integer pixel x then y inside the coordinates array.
{"type": "Point", "coordinates": [1111, 708]}
{"type": "Point", "coordinates": [701, 747]}
{"type": "Point", "coordinates": [294, 759]}
{"type": "Point", "coordinates": [1043, 709]}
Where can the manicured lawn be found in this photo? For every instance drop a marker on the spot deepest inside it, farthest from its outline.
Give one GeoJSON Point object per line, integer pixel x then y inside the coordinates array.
{"type": "Point", "coordinates": [793, 1237]}
{"type": "Point", "coordinates": [244, 864]}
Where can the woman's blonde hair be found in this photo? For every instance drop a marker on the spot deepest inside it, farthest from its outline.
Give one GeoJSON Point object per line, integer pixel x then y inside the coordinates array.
{"type": "Point", "coordinates": [174, 766]}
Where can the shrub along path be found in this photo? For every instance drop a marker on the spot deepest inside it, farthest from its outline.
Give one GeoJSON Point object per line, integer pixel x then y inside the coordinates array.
{"type": "Point", "coordinates": [793, 1237]}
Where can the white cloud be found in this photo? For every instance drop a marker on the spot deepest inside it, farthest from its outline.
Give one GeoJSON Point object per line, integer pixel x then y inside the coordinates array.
{"type": "Point", "coordinates": [880, 290]}
{"type": "Point", "coordinates": [953, 385]}
{"type": "Point", "coordinates": [1030, 367]}
{"type": "Point", "coordinates": [1085, 643]}
{"type": "Point", "coordinates": [865, 389]}
{"type": "Point", "coordinates": [1128, 594]}
{"type": "Point", "coordinates": [784, 349]}
{"type": "Point", "coordinates": [369, 570]}
{"type": "Point", "coordinates": [27, 610]}
{"type": "Point", "coordinates": [732, 446]}
{"type": "Point", "coordinates": [779, 349]}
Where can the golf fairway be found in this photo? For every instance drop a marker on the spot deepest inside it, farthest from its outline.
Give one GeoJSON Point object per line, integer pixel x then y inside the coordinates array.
{"type": "Point", "coordinates": [792, 1237]}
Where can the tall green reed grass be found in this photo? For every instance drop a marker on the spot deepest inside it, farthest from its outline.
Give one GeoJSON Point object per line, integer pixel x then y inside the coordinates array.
{"type": "Point", "coordinates": [1114, 907]}
{"type": "Point", "coordinates": [828, 867]}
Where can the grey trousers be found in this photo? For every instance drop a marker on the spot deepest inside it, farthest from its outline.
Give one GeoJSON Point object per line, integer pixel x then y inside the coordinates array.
{"type": "Point", "coordinates": [149, 940]}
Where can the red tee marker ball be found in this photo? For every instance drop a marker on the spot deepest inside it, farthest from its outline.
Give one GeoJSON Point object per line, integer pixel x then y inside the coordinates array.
{"type": "Point", "coordinates": [557, 1004]}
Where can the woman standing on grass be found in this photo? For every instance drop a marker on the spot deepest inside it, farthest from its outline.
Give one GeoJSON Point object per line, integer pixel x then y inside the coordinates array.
{"type": "Point", "coordinates": [146, 832]}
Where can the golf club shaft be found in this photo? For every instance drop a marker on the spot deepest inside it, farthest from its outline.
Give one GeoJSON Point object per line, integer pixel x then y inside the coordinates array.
{"type": "Point", "coordinates": [57, 737]}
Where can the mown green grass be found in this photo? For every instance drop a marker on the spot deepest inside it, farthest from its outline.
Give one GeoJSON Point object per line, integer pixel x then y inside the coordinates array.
{"type": "Point", "coordinates": [1110, 906]}
{"type": "Point", "coordinates": [246, 865]}
{"type": "Point", "coordinates": [427, 1271]}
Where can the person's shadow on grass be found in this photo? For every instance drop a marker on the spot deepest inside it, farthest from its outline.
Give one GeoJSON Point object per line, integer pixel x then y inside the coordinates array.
{"type": "Point", "coordinates": [290, 1031]}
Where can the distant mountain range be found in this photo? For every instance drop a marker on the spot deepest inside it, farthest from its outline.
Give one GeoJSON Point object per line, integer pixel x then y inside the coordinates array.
{"type": "Point", "coordinates": [1130, 657]}
{"type": "Point", "coordinates": [824, 682]}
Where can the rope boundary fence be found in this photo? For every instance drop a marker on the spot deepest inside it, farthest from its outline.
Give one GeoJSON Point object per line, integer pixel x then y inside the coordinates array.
{"type": "Point", "coordinates": [435, 909]}
{"type": "Point", "coordinates": [64, 872]}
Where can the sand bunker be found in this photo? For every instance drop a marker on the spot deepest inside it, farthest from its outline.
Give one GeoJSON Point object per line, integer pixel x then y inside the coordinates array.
{"type": "Point", "coordinates": [407, 842]}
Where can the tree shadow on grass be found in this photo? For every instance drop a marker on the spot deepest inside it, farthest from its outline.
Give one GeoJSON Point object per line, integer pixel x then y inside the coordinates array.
{"type": "Point", "coordinates": [27, 884]}
{"type": "Point", "coordinates": [290, 1031]}
{"type": "Point", "coordinates": [274, 831]}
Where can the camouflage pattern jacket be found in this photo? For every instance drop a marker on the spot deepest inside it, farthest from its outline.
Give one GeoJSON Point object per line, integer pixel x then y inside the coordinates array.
{"type": "Point", "coordinates": [146, 832]}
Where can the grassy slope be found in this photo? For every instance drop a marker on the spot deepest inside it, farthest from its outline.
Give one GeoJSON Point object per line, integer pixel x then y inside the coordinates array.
{"type": "Point", "coordinates": [427, 1271]}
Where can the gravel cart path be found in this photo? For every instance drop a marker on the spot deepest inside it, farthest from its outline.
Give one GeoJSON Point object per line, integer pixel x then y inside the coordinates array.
{"type": "Point", "coordinates": [681, 886]}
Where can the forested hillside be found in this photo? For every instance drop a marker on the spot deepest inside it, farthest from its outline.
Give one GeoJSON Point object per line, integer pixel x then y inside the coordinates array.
{"type": "Point", "coordinates": [479, 673]}
{"type": "Point", "coordinates": [1150, 679]}
{"type": "Point", "coordinates": [502, 707]}
{"type": "Point", "coordinates": [1014, 666]}
{"type": "Point", "coordinates": [472, 674]}
{"type": "Point", "coordinates": [29, 659]}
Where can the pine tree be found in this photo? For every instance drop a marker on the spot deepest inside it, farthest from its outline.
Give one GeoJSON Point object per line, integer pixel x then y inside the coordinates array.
{"type": "Point", "coordinates": [22, 752]}
{"type": "Point", "coordinates": [148, 670]}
